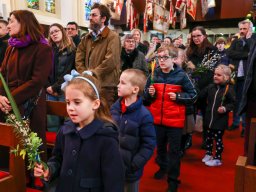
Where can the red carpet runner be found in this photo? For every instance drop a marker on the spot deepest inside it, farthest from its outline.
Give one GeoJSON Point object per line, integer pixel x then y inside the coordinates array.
{"type": "Point", "coordinates": [195, 176]}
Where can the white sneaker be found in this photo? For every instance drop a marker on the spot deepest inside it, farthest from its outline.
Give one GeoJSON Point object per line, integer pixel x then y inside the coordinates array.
{"type": "Point", "coordinates": [213, 163]}
{"type": "Point", "coordinates": [206, 158]}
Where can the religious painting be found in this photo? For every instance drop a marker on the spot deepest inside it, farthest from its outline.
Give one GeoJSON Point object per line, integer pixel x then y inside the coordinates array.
{"type": "Point", "coordinates": [50, 6]}
{"type": "Point", "coordinates": [33, 4]}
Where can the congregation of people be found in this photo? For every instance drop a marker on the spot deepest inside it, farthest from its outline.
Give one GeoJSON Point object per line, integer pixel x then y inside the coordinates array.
{"type": "Point", "coordinates": [125, 97]}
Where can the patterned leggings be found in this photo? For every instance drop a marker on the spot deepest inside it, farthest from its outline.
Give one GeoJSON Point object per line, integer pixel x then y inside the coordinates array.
{"type": "Point", "coordinates": [217, 136]}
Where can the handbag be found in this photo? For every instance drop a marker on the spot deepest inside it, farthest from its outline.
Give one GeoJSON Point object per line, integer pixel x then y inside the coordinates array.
{"type": "Point", "coordinates": [30, 104]}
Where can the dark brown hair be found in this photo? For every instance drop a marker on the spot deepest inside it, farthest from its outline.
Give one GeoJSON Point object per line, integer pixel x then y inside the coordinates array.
{"type": "Point", "coordinates": [4, 22]}
{"type": "Point", "coordinates": [66, 41]}
{"type": "Point", "coordinates": [193, 48]}
{"type": "Point", "coordinates": [104, 11]}
{"type": "Point", "coordinates": [29, 24]}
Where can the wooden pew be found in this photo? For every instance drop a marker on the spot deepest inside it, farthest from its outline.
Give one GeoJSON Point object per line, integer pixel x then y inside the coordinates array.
{"type": "Point", "coordinates": [54, 108]}
{"type": "Point", "coordinates": [15, 179]}
{"type": "Point", "coordinates": [245, 176]}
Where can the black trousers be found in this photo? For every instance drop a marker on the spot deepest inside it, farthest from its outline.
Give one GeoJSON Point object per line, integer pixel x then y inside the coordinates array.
{"type": "Point", "coordinates": [169, 157]}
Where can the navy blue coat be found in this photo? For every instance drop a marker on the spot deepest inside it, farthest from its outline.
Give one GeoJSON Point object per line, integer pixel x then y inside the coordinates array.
{"type": "Point", "coordinates": [87, 160]}
{"type": "Point", "coordinates": [137, 137]}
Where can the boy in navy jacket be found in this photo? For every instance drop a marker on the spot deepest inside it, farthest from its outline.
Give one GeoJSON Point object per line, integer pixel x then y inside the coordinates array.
{"type": "Point", "coordinates": [136, 129]}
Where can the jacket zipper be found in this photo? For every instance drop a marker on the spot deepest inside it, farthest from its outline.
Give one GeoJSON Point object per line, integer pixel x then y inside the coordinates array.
{"type": "Point", "coordinates": [162, 104]}
{"type": "Point", "coordinates": [213, 107]}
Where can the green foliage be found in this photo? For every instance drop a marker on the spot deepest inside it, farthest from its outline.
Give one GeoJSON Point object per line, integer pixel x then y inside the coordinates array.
{"type": "Point", "coordinates": [29, 141]}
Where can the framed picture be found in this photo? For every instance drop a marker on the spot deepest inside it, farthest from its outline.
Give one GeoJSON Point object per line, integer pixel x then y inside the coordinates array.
{"type": "Point", "coordinates": [33, 4]}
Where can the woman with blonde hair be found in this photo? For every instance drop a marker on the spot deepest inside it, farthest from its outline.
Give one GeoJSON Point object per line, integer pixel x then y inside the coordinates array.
{"type": "Point", "coordinates": [137, 35]}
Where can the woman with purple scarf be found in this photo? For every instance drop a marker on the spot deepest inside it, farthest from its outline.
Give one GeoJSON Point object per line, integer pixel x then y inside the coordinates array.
{"type": "Point", "coordinates": [26, 67]}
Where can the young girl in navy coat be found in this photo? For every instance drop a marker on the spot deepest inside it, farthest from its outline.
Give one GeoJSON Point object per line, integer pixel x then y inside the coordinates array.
{"type": "Point", "coordinates": [86, 155]}
{"type": "Point", "coordinates": [136, 129]}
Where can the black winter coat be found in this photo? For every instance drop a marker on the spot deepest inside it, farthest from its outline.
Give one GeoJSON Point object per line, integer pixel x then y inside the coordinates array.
{"type": "Point", "coordinates": [137, 137]}
{"type": "Point", "coordinates": [64, 62]}
{"type": "Point", "coordinates": [214, 94]}
{"type": "Point", "coordinates": [249, 89]}
{"type": "Point", "coordinates": [87, 160]}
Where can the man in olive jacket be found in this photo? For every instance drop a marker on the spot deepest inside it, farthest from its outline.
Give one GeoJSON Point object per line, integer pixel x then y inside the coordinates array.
{"type": "Point", "coordinates": [100, 51]}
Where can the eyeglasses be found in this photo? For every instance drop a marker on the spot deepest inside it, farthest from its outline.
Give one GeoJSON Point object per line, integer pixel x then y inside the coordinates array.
{"type": "Point", "coordinates": [130, 41]}
{"type": "Point", "coordinates": [72, 29]}
{"type": "Point", "coordinates": [94, 15]}
{"type": "Point", "coordinates": [53, 32]}
{"type": "Point", "coordinates": [163, 57]}
{"type": "Point", "coordinates": [196, 36]}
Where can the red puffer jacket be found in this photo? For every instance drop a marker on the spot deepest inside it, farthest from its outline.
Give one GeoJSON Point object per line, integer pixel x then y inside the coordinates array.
{"type": "Point", "coordinates": [165, 111]}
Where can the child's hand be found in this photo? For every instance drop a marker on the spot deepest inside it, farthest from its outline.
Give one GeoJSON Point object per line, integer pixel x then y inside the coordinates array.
{"type": "Point", "coordinates": [151, 90]}
{"type": "Point", "coordinates": [173, 96]}
{"type": "Point", "coordinates": [221, 109]}
{"type": "Point", "coordinates": [40, 172]}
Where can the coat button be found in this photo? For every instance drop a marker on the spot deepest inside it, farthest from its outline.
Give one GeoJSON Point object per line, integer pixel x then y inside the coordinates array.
{"type": "Point", "coordinates": [74, 152]}
{"type": "Point", "coordinates": [70, 172]}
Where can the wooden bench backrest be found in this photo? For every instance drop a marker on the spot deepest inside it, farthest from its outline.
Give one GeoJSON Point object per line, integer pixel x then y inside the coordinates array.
{"type": "Point", "coordinates": [56, 108]}
{"type": "Point", "coordinates": [16, 181]}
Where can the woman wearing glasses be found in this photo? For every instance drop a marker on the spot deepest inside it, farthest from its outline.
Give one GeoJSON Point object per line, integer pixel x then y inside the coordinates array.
{"type": "Point", "coordinates": [64, 61]}
{"type": "Point", "coordinates": [131, 57]}
{"type": "Point", "coordinates": [202, 59]}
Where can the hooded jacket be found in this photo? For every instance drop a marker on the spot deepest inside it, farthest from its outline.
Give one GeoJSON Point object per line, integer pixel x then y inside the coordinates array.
{"type": "Point", "coordinates": [165, 111]}
{"type": "Point", "coordinates": [88, 159]}
{"type": "Point", "coordinates": [214, 94]}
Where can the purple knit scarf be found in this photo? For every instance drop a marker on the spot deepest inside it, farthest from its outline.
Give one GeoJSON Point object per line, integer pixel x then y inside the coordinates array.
{"type": "Point", "coordinates": [24, 42]}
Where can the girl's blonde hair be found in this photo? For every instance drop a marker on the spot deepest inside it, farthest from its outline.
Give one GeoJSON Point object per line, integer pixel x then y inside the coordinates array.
{"type": "Point", "coordinates": [66, 41]}
{"type": "Point", "coordinates": [103, 112]}
{"type": "Point", "coordinates": [226, 71]}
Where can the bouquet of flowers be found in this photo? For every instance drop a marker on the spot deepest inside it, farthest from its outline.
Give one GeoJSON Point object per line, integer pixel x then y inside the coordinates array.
{"type": "Point", "coordinates": [29, 140]}
{"type": "Point", "coordinates": [209, 62]}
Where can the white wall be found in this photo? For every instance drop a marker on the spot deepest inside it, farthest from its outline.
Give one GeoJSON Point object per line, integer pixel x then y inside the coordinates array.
{"type": "Point", "coordinates": [67, 12]}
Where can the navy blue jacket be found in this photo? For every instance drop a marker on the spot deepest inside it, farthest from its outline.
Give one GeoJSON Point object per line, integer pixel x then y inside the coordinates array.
{"type": "Point", "coordinates": [136, 136]}
{"type": "Point", "coordinates": [87, 160]}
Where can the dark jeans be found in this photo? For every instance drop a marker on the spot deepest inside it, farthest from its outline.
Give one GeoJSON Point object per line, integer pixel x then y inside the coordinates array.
{"type": "Point", "coordinates": [238, 91]}
{"type": "Point", "coordinates": [169, 159]}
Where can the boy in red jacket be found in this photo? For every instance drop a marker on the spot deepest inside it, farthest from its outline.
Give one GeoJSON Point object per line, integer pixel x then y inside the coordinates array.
{"type": "Point", "coordinates": [169, 89]}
